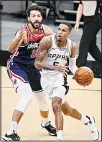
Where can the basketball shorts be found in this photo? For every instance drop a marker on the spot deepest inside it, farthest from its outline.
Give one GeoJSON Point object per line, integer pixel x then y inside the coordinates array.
{"type": "Point", "coordinates": [54, 85]}
{"type": "Point", "coordinates": [24, 74]}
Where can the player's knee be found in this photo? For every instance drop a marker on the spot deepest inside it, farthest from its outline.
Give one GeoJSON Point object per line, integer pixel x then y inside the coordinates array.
{"type": "Point", "coordinates": [42, 100]}
{"type": "Point", "coordinates": [26, 94]}
{"type": "Point", "coordinates": [24, 102]}
{"type": "Point", "coordinates": [28, 97]}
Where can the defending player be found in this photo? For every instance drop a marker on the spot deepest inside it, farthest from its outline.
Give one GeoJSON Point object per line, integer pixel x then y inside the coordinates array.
{"type": "Point", "coordinates": [24, 76]}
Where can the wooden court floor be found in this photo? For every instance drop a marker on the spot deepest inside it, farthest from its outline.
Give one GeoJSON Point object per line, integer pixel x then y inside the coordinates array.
{"type": "Point", "coordinates": [86, 99]}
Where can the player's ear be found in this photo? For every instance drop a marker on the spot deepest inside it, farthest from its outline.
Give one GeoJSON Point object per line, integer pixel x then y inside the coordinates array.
{"type": "Point", "coordinates": [28, 19]}
{"type": "Point", "coordinates": [69, 32]}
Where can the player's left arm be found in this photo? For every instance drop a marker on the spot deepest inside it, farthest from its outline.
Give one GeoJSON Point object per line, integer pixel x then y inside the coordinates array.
{"type": "Point", "coordinates": [72, 59]}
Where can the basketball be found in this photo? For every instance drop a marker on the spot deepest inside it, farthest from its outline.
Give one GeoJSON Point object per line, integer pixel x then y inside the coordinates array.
{"type": "Point", "coordinates": [84, 76]}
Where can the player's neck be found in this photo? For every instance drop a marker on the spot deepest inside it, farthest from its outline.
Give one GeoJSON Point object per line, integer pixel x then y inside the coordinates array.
{"type": "Point", "coordinates": [61, 44]}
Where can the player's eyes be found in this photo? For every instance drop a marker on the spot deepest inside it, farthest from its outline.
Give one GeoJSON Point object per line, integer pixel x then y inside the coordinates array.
{"type": "Point", "coordinates": [35, 15]}
{"type": "Point", "coordinates": [63, 30]}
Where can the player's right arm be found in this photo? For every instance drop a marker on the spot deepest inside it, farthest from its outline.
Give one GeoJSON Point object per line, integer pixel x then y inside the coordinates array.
{"type": "Point", "coordinates": [20, 38]}
{"type": "Point", "coordinates": [45, 45]}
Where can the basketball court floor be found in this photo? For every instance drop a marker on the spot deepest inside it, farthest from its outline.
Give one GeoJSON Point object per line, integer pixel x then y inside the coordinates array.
{"type": "Point", "coordinates": [86, 99]}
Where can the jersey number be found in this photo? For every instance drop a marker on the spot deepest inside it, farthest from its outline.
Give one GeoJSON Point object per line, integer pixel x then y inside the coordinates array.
{"type": "Point", "coordinates": [55, 63]}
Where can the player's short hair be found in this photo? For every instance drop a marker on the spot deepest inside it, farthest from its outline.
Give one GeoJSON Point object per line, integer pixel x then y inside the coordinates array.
{"type": "Point", "coordinates": [68, 24]}
{"type": "Point", "coordinates": [34, 7]}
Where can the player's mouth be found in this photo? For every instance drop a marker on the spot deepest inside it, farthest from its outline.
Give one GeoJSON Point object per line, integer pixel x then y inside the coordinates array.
{"type": "Point", "coordinates": [36, 24]}
{"type": "Point", "coordinates": [59, 36]}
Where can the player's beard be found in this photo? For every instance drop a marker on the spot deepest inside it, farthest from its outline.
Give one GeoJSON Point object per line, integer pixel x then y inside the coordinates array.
{"type": "Point", "coordinates": [33, 24]}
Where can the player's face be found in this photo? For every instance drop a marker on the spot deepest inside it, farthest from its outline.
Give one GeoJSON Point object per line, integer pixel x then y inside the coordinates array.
{"type": "Point", "coordinates": [35, 18]}
{"type": "Point", "coordinates": [63, 32]}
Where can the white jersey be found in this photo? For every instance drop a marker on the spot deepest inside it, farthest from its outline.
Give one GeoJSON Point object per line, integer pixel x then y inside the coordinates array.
{"type": "Point", "coordinates": [56, 55]}
{"type": "Point", "coordinates": [54, 82]}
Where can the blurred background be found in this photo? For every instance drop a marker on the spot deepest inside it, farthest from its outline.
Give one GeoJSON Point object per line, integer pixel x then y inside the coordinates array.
{"type": "Point", "coordinates": [13, 15]}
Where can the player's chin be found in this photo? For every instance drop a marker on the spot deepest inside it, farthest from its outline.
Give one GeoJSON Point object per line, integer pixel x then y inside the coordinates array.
{"type": "Point", "coordinates": [59, 39]}
{"type": "Point", "coordinates": [37, 25]}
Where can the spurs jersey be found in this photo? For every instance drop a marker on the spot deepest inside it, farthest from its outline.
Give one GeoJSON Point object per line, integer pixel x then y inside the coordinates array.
{"type": "Point", "coordinates": [25, 54]}
{"type": "Point", "coordinates": [56, 55]}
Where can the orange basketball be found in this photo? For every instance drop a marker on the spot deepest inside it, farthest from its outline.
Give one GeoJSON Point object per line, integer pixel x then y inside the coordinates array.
{"type": "Point", "coordinates": [84, 76]}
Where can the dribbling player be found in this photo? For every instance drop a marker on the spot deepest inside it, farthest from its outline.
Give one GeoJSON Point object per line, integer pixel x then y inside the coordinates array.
{"type": "Point", "coordinates": [54, 52]}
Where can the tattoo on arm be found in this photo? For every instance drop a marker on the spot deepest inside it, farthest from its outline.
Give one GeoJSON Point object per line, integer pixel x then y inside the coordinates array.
{"type": "Point", "coordinates": [42, 52]}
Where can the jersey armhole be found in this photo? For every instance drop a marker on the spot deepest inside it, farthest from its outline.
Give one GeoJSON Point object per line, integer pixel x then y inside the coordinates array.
{"type": "Point", "coordinates": [43, 29]}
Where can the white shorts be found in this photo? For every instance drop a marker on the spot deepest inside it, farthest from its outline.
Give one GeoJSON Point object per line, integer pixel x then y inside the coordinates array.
{"type": "Point", "coordinates": [53, 85]}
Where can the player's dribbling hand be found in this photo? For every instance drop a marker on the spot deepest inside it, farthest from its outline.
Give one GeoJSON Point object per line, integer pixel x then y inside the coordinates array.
{"type": "Point", "coordinates": [63, 69]}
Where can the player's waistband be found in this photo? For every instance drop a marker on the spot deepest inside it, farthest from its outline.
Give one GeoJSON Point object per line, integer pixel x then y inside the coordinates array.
{"type": "Point", "coordinates": [49, 72]}
{"type": "Point", "coordinates": [21, 64]}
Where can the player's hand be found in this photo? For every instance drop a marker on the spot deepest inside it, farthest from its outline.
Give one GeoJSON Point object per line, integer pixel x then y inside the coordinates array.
{"type": "Point", "coordinates": [76, 27]}
{"type": "Point", "coordinates": [64, 69]}
{"type": "Point", "coordinates": [18, 36]}
{"type": "Point", "coordinates": [23, 34]}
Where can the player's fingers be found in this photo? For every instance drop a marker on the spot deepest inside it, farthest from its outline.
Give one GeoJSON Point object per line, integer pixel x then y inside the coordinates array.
{"type": "Point", "coordinates": [65, 73]}
{"type": "Point", "coordinates": [65, 70]}
{"type": "Point", "coordinates": [23, 27]}
{"type": "Point", "coordinates": [22, 30]}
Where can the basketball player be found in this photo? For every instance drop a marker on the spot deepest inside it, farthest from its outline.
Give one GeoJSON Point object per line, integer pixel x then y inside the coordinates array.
{"type": "Point", "coordinates": [24, 76]}
{"type": "Point", "coordinates": [53, 54]}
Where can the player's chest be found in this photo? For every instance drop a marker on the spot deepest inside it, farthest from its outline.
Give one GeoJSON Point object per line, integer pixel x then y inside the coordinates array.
{"type": "Point", "coordinates": [57, 54]}
{"type": "Point", "coordinates": [33, 41]}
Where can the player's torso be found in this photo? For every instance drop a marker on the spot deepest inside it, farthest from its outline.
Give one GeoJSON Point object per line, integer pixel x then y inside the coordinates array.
{"type": "Point", "coordinates": [57, 56]}
{"type": "Point", "coordinates": [25, 54]}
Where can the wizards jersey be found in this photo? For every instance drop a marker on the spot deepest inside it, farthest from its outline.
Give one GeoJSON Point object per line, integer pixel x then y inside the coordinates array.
{"type": "Point", "coordinates": [25, 54]}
